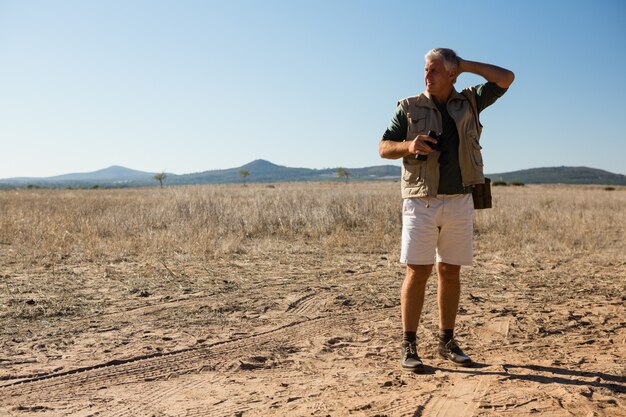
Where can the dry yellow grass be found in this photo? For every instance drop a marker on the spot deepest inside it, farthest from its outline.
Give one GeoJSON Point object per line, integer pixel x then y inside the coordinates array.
{"type": "Point", "coordinates": [209, 220]}
{"type": "Point", "coordinates": [93, 229]}
{"type": "Point", "coordinates": [554, 219]}
{"type": "Point", "coordinates": [202, 220]}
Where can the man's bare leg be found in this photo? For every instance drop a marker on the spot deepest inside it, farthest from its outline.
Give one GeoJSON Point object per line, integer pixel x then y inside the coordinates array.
{"type": "Point", "coordinates": [411, 303]}
{"type": "Point", "coordinates": [449, 292]}
{"type": "Point", "coordinates": [412, 295]}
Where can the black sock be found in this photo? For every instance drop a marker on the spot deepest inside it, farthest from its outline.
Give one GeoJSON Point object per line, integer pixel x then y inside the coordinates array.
{"type": "Point", "coordinates": [445, 335]}
{"type": "Point", "coordinates": [409, 337]}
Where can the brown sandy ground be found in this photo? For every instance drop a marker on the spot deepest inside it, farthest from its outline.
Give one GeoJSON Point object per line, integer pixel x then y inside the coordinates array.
{"type": "Point", "coordinates": [302, 329]}
{"type": "Point", "coordinates": [315, 333]}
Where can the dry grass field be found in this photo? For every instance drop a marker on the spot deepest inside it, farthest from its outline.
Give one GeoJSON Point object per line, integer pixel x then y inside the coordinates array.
{"type": "Point", "coordinates": [283, 299]}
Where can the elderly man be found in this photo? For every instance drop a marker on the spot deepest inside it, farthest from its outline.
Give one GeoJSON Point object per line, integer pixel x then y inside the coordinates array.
{"type": "Point", "coordinates": [438, 174]}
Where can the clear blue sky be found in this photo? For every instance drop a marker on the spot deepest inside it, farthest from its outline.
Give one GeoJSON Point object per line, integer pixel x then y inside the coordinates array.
{"type": "Point", "coordinates": [189, 86]}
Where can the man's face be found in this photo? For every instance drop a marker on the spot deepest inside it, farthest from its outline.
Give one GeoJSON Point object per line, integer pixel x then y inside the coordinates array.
{"type": "Point", "coordinates": [438, 80]}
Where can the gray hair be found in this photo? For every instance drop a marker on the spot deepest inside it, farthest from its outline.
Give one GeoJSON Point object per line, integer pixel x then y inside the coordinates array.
{"type": "Point", "coordinates": [450, 61]}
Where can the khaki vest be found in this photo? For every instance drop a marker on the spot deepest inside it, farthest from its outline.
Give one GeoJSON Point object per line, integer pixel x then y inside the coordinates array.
{"type": "Point", "coordinates": [421, 178]}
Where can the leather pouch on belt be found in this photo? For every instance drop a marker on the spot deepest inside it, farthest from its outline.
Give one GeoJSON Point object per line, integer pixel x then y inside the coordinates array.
{"type": "Point", "coordinates": [482, 195]}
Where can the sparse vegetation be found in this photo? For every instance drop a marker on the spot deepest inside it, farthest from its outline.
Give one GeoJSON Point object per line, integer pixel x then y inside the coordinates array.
{"type": "Point", "coordinates": [244, 174]}
{"type": "Point", "coordinates": [44, 224]}
{"type": "Point", "coordinates": [500, 183]}
{"type": "Point", "coordinates": [546, 202]}
{"type": "Point", "coordinates": [193, 219]}
{"type": "Point", "coordinates": [160, 177]}
{"type": "Point", "coordinates": [342, 173]}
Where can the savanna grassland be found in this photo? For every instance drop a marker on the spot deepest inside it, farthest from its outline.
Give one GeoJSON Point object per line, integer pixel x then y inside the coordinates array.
{"type": "Point", "coordinates": [283, 299]}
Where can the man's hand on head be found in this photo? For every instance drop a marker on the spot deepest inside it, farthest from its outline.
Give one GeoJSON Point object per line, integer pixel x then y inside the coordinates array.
{"type": "Point", "coordinates": [492, 73]}
{"type": "Point", "coordinates": [460, 61]}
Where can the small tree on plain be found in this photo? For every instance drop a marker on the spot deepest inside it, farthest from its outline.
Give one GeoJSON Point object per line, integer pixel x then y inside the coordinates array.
{"type": "Point", "coordinates": [342, 173]}
{"type": "Point", "coordinates": [160, 177]}
{"type": "Point", "coordinates": [244, 174]}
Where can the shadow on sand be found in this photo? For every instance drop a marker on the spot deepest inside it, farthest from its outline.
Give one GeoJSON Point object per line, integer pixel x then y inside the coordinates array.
{"type": "Point", "coordinates": [614, 383]}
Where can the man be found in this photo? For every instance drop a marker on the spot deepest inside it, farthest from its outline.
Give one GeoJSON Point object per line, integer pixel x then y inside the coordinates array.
{"type": "Point", "coordinates": [437, 208]}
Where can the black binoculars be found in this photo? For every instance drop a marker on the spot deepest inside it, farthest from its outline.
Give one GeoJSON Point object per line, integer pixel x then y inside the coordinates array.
{"type": "Point", "coordinates": [433, 146]}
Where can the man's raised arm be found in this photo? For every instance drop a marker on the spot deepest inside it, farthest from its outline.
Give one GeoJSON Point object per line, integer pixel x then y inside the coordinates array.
{"type": "Point", "coordinates": [501, 76]}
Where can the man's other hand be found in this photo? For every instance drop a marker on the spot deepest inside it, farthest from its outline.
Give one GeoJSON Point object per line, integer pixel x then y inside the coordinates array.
{"type": "Point", "coordinates": [419, 146]}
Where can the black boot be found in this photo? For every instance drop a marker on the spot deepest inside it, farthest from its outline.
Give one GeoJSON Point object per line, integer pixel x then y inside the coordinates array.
{"type": "Point", "coordinates": [410, 359]}
{"type": "Point", "coordinates": [452, 352]}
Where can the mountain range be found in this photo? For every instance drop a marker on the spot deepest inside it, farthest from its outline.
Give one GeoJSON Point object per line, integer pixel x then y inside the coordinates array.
{"type": "Point", "coordinates": [561, 175]}
{"type": "Point", "coordinates": [265, 171]}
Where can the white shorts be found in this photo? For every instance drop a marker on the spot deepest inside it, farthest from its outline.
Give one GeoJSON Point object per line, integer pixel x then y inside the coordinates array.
{"type": "Point", "coordinates": [437, 229]}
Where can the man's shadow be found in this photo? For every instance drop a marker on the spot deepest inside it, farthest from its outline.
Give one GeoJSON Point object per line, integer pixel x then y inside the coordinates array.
{"type": "Point", "coordinates": [614, 383]}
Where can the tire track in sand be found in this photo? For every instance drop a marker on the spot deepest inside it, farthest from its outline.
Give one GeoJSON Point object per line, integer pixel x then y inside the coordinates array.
{"type": "Point", "coordinates": [307, 305]}
{"type": "Point", "coordinates": [75, 388]}
{"type": "Point", "coordinates": [461, 401]}
{"type": "Point", "coordinates": [408, 405]}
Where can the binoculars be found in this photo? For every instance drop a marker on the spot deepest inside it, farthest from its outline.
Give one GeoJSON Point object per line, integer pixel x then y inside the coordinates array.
{"type": "Point", "coordinates": [433, 146]}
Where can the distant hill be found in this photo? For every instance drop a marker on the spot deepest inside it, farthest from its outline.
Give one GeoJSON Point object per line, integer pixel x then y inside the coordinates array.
{"type": "Point", "coordinates": [264, 171]}
{"type": "Point", "coordinates": [111, 175]}
{"type": "Point", "coordinates": [260, 171]}
{"type": "Point", "coordinates": [561, 175]}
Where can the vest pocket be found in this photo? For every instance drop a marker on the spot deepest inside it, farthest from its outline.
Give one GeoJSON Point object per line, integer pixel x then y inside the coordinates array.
{"type": "Point", "coordinates": [477, 157]}
{"type": "Point", "coordinates": [417, 124]}
{"type": "Point", "coordinates": [413, 169]}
